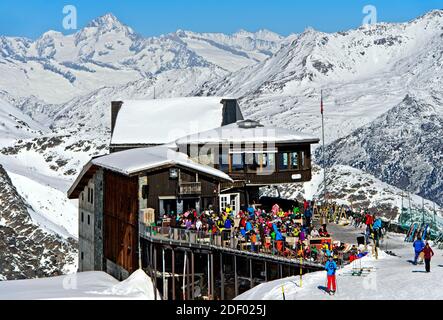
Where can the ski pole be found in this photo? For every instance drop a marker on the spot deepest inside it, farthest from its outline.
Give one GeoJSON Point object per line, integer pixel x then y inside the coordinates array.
{"type": "Point", "coordinates": [283, 292]}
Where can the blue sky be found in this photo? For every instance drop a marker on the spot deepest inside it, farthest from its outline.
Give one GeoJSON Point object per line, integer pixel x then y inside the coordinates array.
{"type": "Point", "coordinates": [31, 18]}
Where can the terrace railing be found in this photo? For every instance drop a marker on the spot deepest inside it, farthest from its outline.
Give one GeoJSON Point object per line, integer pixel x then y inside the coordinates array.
{"type": "Point", "coordinates": [224, 241]}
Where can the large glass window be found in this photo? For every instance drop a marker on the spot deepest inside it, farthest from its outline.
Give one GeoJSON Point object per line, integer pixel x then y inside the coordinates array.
{"type": "Point", "coordinates": [238, 162]}
{"type": "Point", "coordinates": [294, 160]}
{"type": "Point", "coordinates": [223, 162]}
{"type": "Point", "coordinates": [252, 162]}
{"type": "Point", "coordinates": [283, 162]}
{"type": "Point", "coordinates": [266, 162]}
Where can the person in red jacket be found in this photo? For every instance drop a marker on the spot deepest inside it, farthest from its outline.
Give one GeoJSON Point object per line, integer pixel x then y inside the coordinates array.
{"type": "Point", "coordinates": [369, 220]}
{"type": "Point", "coordinates": [428, 255]}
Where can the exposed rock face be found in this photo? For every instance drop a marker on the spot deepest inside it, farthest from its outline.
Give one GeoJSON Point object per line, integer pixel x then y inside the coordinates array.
{"type": "Point", "coordinates": [402, 147]}
{"type": "Point", "coordinates": [26, 250]}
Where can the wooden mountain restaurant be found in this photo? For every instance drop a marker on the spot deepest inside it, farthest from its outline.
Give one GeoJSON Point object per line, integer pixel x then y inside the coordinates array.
{"type": "Point", "coordinates": [212, 159]}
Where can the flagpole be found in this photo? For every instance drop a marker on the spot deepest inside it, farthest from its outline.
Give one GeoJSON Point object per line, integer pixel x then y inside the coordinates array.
{"type": "Point", "coordinates": [323, 140]}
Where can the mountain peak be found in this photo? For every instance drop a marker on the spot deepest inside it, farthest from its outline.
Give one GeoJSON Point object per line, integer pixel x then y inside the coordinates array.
{"type": "Point", "coordinates": [108, 22]}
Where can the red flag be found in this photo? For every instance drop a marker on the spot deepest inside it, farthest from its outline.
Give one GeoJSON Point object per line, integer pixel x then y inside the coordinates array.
{"type": "Point", "coordinates": [321, 102]}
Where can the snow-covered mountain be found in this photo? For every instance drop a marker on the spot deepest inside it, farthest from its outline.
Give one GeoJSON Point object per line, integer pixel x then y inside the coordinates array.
{"type": "Point", "coordinates": [55, 95]}
{"type": "Point", "coordinates": [365, 74]}
{"type": "Point", "coordinates": [402, 147]}
{"type": "Point", "coordinates": [362, 191]}
{"type": "Point", "coordinates": [108, 53]}
{"type": "Point", "coordinates": [27, 250]}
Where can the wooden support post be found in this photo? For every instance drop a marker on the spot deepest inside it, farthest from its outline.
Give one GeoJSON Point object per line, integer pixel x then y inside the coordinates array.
{"type": "Point", "coordinates": [209, 277]}
{"type": "Point", "coordinates": [192, 275]}
{"type": "Point", "coordinates": [173, 273]}
{"type": "Point", "coordinates": [222, 277]}
{"type": "Point", "coordinates": [266, 271]}
{"type": "Point", "coordinates": [281, 270]}
{"type": "Point", "coordinates": [250, 274]}
{"type": "Point", "coordinates": [165, 281]}
{"type": "Point", "coordinates": [212, 277]}
{"type": "Point", "coordinates": [188, 289]}
{"type": "Point", "coordinates": [184, 274]}
{"type": "Point", "coordinates": [155, 273]}
{"type": "Point", "coordinates": [235, 276]}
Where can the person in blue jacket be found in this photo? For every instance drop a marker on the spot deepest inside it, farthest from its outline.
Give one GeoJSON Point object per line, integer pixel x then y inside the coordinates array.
{"type": "Point", "coordinates": [278, 238]}
{"type": "Point", "coordinates": [418, 248]}
{"type": "Point", "coordinates": [308, 216]}
{"type": "Point", "coordinates": [228, 223]}
{"type": "Point", "coordinates": [376, 228]}
{"type": "Point", "coordinates": [331, 268]}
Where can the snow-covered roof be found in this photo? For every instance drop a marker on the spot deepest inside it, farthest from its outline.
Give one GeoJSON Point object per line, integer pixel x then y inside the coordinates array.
{"type": "Point", "coordinates": [161, 121]}
{"type": "Point", "coordinates": [140, 159]}
{"type": "Point", "coordinates": [247, 131]}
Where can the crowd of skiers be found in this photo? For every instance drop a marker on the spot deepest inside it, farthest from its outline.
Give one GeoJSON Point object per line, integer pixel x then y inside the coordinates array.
{"type": "Point", "coordinates": [275, 231]}
{"type": "Point", "coordinates": [270, 231]}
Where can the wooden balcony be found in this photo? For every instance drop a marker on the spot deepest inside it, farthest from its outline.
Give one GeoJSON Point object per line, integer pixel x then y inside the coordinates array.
{"type": "Point", "coordinates": [190, 188]}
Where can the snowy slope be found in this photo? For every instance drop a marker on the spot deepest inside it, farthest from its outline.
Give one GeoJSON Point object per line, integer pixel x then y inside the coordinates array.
{"type": "Point", "coordinates": [390, 278]}
{"type": "Point", "coordinates": [360, 190]}
{"type": "Point", "coordinates": [80, 286]}
{"type": "Point", "coordinates": [232, 52]}
{"type": "Point", "coordinates": [49, 207]}
{"type": "Point", "coordinates": [28, 250]}
{"type": "Point", "coordinates": [363, 73]}
{"type": "Point", "coordinates": [16, 125]}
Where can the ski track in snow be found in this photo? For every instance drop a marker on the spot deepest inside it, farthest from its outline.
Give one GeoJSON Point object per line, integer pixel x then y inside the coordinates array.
{"type": "Point", "coordinates": [391, 278]}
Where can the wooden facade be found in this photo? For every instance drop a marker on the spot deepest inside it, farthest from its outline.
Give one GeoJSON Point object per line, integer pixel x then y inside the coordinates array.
{"type": "Point", "coordinates": [120, 219]}
{"type": "Point", "coordinates": [189, 185]}
{"type": "Point", "coordinates": [121, 206]}
{"type": "Point", "coordinates": [222, 158]}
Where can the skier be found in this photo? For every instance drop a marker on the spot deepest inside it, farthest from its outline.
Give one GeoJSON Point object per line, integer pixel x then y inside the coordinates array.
{"type": "Point", "coordinates": [369, 220]}
{"type": "Point", "coordinates": [331, 267]}
{"type": "Point", "coordinates": [428, 254]}
{"type": "Point", "coordinates": [376, 227]}
{"type": "Point", "coordinates": [418, 247]}
{"type": "Point", "coordinates": [308, 217]}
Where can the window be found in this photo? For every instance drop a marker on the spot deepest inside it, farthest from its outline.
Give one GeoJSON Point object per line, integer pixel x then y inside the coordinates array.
{"type": "Point", "coordinates": [82, 255]}
{"type": "Point", "coordinates": [267, 162]}
{"type": "Point", "coordinates": [283, 162]}
{"type": "Point", "coordinates": [290, 161]}
{"type": "Point", "coordinates": [260, 162]}
{"type": "Point", "coordinates": [238, 162]}
{"type": "Point", "coordinates": [90, 195]}
{"type": "Point", "coordinates": [223, 163]}
{"type": "Point", "coordinates": [302, 156]}
{"type": "Point", "coordinates": [294, 160]}
{"type": "Point", "coordinates": [83, 217]}
{"type": "Point", "coordinates": [83, 196]}
{"type": "Point", "coordinates": [252, 162]}
{"type": "Point", "coordinates": [89, 219]}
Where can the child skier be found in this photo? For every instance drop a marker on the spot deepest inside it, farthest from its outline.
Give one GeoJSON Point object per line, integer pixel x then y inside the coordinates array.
{"type": "Point", "coordinates": [331, 267]}
{"type": "Point", "coordinates": [428, 255]}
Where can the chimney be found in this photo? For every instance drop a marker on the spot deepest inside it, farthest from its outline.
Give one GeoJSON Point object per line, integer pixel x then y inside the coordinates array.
{"type": "Point", "coordinates": [231, 111]}
{"type": "Point", "coordinates": [115, 109]}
